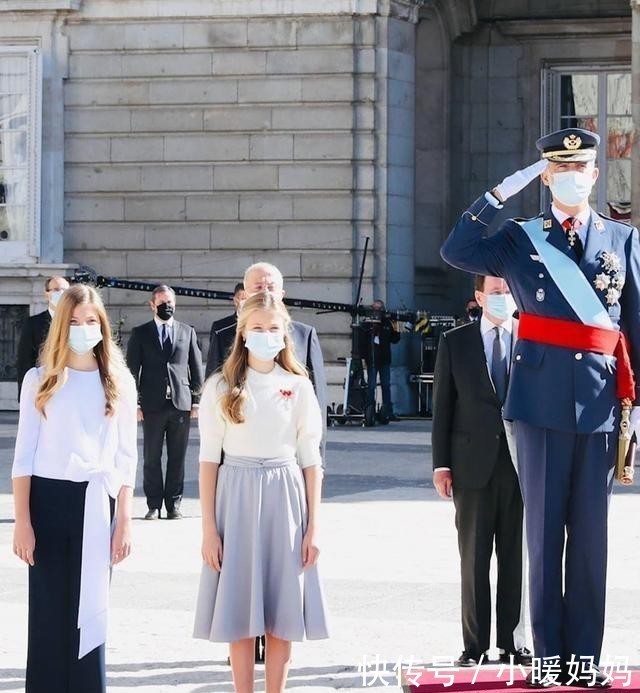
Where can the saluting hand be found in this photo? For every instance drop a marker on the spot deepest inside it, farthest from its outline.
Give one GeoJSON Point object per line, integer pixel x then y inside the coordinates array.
{"type": "Point", "coordinates": [514, 183]}
{"type": "Point", "coordinates": [212, 549]}
{"type": "Point", "coordinates": [24, 541]}
{"type": "Point", "coordinates": [443, 481]}
{"type": "Point", "coordinates": [310, 552]}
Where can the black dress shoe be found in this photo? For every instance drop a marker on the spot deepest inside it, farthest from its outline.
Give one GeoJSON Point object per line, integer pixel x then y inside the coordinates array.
{"type": "Point", "coordinates": [174, 514]}
{"type": "Point", "coordinates": [260, 648]}
{"type": "Point", "coordinates": [592, 678]}
{"type": "Point", "coordinates": [466, 659]}
{"type": "Point", "coordinates": [546, 681]}
{"type": "Point", "coordinates": [521, 657]}
{"type": "Point", "coordinates": [153, 514]}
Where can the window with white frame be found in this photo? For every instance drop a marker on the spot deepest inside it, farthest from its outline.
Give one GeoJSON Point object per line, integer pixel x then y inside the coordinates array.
{"type": "Point", "coordinates": [597, 99]}
{"type": "Point", "coordinates": [20, 107]}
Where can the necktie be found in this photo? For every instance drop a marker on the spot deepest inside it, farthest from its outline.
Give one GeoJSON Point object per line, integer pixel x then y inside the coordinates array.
{"type": "Point", "coordinates": [499, 366]}
{"type": "Point", "coordinates": [571, 226]}
{"type": "Point", "coordinates": [166, 342]}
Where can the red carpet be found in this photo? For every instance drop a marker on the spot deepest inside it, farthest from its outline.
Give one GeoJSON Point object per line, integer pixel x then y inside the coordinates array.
{"type": "Point", "coordinates": [495, 679]}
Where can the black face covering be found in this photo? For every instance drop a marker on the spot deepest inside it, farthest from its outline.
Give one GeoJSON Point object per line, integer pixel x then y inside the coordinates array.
{"type": "Point", "coordinates": [474, 313]}
{"type": "Point", "coordinates": [165, 311]}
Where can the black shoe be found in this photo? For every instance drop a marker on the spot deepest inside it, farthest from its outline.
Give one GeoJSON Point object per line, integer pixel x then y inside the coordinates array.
{"type": "Point", "coordinates": [174, 514]}
{"type": "Point", "coordinates": [153, 514]}
{"type": "Point", "coordinates": [260, 647]}
{"type": "Point", "coordinates": [545, 682]}
{"type": "Point", "coordinates": [393, 417]}
{"type": "Point", "coordinates": [466, 659]}
{"type": "Point", "coordinates": [592, 678]}
{"type": "Point", "coordinates": [521, 657]}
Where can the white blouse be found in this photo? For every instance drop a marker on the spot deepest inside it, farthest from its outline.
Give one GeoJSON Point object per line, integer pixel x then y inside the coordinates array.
{"type": "Point", "coordinates": [282, 419]}
{"type": "Point", "coordinates": [76, 422]}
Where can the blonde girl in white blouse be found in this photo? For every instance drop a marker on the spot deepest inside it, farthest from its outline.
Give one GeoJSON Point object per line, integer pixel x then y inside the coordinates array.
{"type": "Point", "coordinates": [261, 419]}
{"type": "Point", "coordinates": [76, 452]}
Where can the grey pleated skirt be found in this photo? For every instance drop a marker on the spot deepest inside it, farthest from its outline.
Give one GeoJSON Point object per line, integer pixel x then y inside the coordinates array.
{"type": "Point", "coordinates": [261, 514]}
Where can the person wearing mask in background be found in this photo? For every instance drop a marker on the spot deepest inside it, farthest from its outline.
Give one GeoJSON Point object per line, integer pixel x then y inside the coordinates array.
{"type": "Point", "coordinates": [36, 328]}
{"type": "Point", "coordinates": [575, 276]}
{"type": "Point", "coordinates": [74, 470]}
{"type": "Point", "coordinates": [472, 310]}
{"type": "Point", "coordinates": [379, 334]}
{"type": "Point", "coordinates": [260, 507]}
{"type": "Point", "coordinates": [472, 464]}
{"type": "Point", "coordinates": [166, 363]}
{"type": "Point", "coordinates": [223, 333]}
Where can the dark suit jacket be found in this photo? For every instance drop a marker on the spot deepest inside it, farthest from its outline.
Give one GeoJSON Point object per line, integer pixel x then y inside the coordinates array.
{"type": "Point", "coordinates": [467, 416]}
{"type": "Point", "coordinates": [221, 338]}
{"type": "Point", "coordinates": [152, 372]}
{"type": "Point", "coordinates": [32, 337]}
{"type": "Point", "coordinates": [377, 354]}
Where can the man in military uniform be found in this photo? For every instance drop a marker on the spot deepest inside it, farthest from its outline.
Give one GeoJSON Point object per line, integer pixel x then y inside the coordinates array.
{"type": "Point", "coordinates": [574, 275]}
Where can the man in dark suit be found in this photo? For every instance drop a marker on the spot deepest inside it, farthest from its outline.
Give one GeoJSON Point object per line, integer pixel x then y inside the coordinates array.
{"type": "Point", "coordinates": [378, 336]}
{"type": "Point", "coordinates": [166, 362]}
{"type": "Point", "coordinates": [36, 328]}
{"type": "Point", "coordinates": [471, 461]}
{"type": "Point", "coordinates": [223, 333]}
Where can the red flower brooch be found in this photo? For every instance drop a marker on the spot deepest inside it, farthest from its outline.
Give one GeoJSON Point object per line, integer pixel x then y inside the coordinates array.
{"type": "Point", "coordinates": [286, 394]}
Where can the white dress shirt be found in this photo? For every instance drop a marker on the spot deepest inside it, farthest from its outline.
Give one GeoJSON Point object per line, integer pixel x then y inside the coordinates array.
{"type": "Point", "coordinates": [282, 419]}
{"type": "Point", "coordinates": [160, 324]}
{"type": "Point", "coordinates": [584, 217]}
{"type": "Point", "coordinates": [487, 330]}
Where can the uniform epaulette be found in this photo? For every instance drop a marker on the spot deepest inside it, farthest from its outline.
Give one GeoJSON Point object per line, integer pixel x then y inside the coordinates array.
{"type": "Point", "coordinates": [521, 219]}
{"type": "Point", "coordinates": [617, 221]}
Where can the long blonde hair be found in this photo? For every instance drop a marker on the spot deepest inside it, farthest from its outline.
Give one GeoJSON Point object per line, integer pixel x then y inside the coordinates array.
{"type": "Point", "coordinates": [55, 351]}
{"type": "Point", "coordinates": [234, 371]}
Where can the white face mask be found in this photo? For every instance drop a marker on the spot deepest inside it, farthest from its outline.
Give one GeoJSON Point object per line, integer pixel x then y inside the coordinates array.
{"type": "Point", "coordinates": [500, 306]}
{"type": "Point", "coordinates": [55, 297]}
{"type": "Point", "coordinates": [82, 338]}
{"type": "Point", "coordinates": [265, 346]}
{"type": "Point", "coordinates": [572, 188]}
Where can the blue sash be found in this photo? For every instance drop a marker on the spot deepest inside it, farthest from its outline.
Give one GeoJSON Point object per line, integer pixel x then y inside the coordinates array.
{"type": "Point", "coordinates": [573, 285]}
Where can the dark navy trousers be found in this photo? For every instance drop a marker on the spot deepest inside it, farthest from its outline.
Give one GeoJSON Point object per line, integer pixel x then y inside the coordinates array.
{"type": "Point", "coordinates": [566, 481]}
{"type": "Point", "coordinates": [57, 513]}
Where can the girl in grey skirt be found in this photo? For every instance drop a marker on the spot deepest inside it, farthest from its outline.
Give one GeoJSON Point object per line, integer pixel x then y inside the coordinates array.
{"type": "Point", "coordinates": [260, 506]}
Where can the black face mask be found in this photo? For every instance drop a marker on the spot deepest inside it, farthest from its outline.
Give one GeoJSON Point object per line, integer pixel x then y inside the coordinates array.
{"type": "Point", "coordinates": [165, 311]}
{"type": "Point", "coordinates": [474, 313]}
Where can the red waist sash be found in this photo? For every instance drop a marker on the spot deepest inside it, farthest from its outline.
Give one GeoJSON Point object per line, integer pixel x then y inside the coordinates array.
{"type": "Point", "coordinates": [576, 335]}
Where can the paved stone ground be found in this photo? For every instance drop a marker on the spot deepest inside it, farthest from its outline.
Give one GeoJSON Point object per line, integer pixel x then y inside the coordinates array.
{"type": "Point", "coordinates": [389, 563]}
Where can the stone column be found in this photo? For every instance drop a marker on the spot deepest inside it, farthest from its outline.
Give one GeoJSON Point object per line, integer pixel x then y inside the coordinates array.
{"type": "Point", "coordinates": [635, 109]}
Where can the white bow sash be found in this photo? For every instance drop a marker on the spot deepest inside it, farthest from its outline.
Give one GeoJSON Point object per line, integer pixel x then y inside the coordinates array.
{"type": "Point", "coordinates": [95, 571]}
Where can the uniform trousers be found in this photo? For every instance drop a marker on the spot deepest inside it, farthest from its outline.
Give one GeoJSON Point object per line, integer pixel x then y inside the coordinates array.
{"type": "Point", "coordinates": [487, 517]}
{"type": "Point", "coordinates": [173, 425]}
{"type": "Point", "coordinates": [57, 514]}
{"type": "Point", "coordinates": [566, 481]}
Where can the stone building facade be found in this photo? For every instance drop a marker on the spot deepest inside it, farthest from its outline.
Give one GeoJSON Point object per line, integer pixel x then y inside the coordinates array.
{"type": "Point", "coordinates": [181, 141]}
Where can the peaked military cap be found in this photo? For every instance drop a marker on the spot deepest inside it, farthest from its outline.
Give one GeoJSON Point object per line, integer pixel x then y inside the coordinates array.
{"type": "Point", "coordinates": [570, 144]}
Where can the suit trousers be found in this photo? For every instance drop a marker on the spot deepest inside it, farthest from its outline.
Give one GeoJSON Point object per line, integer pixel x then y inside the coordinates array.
{"type": "Point", "coordinates": [172, 424]}
{"type": "Point", "coordinates": [485, 517]}
{"type": "Point", "coordinates": [57, 513]}
{"type": "Point", "coordinates": [566, 481]}
{"type": "Point", "coordinates": [385, 385]}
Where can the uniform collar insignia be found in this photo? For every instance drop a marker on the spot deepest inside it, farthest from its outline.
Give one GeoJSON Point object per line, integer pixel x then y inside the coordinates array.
{"type": "Point", "coordinates": [547, 224]}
